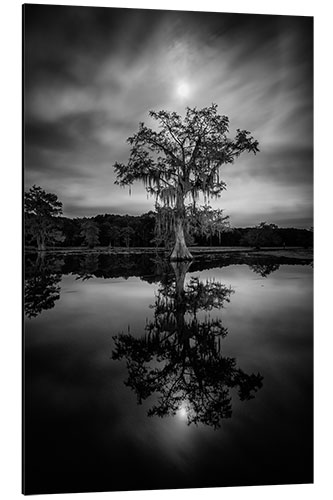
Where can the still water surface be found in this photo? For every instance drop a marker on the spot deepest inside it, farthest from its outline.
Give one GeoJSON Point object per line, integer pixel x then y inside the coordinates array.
{"type": "Point", "coordinates": [140, 375]}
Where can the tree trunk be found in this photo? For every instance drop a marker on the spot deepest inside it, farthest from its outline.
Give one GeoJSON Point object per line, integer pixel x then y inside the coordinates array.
{"type": "Point", "coordinates": [180, 269]}
{"type": "Point", "coordinates": [41, 247]}
{"type": "Point", "coordinates": [40, 261]}
{"type": "Point", "coordinates": [180, 250]}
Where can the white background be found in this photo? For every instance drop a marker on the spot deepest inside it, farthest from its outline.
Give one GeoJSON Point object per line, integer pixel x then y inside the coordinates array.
{"type": "Point", "coordinates": [10, 231]}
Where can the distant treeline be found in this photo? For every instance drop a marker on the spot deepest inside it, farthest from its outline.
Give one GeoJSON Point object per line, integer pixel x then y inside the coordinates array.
{"type": "Point", "coordinates": [140, 231]}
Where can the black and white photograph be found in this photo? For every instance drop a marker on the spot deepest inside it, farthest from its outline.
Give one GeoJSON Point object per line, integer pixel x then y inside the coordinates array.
{"type": "Point", "coordinates": [168, 232]}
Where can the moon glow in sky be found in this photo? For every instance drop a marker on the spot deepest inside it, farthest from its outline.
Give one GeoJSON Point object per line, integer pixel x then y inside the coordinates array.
{"type": "Point", "coordinates": [183, 89]}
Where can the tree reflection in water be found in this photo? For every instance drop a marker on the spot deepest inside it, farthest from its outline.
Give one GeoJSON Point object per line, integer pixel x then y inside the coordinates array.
{"type": "Point", "coordinates": [264, 268]}
{"type": "Point", "coordinates": [179, 358]}
{"type": "Point", "coordinates": [41, 288]}
{"type": "Point", "coordinates": [88, 267]}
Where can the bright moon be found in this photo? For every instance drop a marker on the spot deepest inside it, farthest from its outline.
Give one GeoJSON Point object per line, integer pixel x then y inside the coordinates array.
{"type": "Point", "coordinates": [182, 412]}
{"type": "Point", "coordinates": [183, 89]}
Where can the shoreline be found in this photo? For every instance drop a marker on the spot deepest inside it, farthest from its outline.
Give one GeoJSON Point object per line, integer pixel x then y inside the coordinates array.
{"type": "Point", "coordinates": [283, 252]}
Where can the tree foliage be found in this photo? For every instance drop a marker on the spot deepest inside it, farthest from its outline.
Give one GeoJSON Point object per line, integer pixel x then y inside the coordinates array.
{"type": "Point", "coordinates": [90, 232]}
{"type": "Point", "coordinates": [41, 210]}
{"type": "Point", "coordinates": [41, 286]}
{"type": "Point", "coordinates": [262, 235]}
{"type": "Point", "coordinates": [184, 155]}
{"type": "Point", "coordinates": [264, 269]}
{"type": "Point", "coordinates": [126, 235]}
{"type": "Point", "coordinates": [181, 160]}
{"type": "Point", "coordinates": [207, 222]}
{"type": "Point", "coordinates": [40, 203]}
{"type": "Point", "coordinates": [112, 233]}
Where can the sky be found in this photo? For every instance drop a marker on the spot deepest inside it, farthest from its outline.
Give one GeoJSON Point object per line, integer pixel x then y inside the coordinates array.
{"type": "Point", "coordinates": [92, 74]}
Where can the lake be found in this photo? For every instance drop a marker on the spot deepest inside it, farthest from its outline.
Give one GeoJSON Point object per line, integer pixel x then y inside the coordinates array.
{"type": "Point", "coordinates": [140, 374]}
